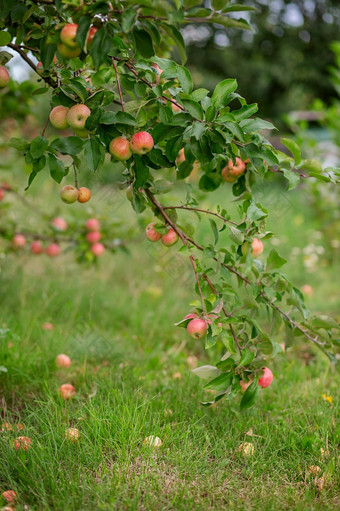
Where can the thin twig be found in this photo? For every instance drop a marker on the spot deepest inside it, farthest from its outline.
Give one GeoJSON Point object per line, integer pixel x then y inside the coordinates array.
{"type": "Point", "coordinates": [118, 84]}
{"type": "Point", "coordinates": [17, 48]}
{"type": "Point", "coordinates": [192, 260]}
{"type": "Point", "coordinates": [201, 211]}
{"type": "Point", "coordinates": [45, 125]}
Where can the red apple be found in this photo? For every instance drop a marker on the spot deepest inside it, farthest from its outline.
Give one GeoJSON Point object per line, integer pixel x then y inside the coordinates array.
{"type": "Point", "coordinates": [151, 234]}
{"type": "Point", "coordinates": [63, 361]}
{"type": "Point", "coordinates": [84, 194]}
{"type": "Point", "coordinates": [66, 391]}
{"type": "Point", "coordinates": [52, 250]}
{"type": "Point", "coordinates": [141, 142]}
{"type": "Point", "coordinates": [92, 224]}
{"type": "Point", "coordinates": [59, 224]}
{"type": "Point", "coordinates": [36, 247]}
{"type": "Point", "coordinates": [120, 148]}
{"type": "Point", "coordinates": [2, 194]}
{"type": "Point", "coordinates": [77, 115]}
{"type": "Point", "coordinates": [69, 194]}
{"type": "Point", "coordinates": [23, 442]}
{"type": "Point", "coordinates": [9, 495]}
{"type": "Point", "coordinates": [97, 249]}
{"type": "Point", "coordinates": [58, 116]}
{"type": "Point", "coordinates": [68, 35]}
{"type": "Point", "coordinates": [257, 247]}
{"type": "Point", "coordinates": [19, 241]}
{"type": "Point", "coordinates": [93, 237]}
{"type": "Point", "coordinates": [169, 238]}
{"type": "Point", "coordinates": [266, 379]}
{"type": "Point", "coordinates": [4, 77]}
{"type": "Point", "coordinates": [197, 328]}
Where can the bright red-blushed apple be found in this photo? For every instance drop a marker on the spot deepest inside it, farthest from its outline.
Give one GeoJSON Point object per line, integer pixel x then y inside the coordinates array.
{"type": "Point", "coordinates": [69, 194]}
{"type": "Point", "coordinates": [67, 52]}
{"type": "Point", "coordinates": [4, 77]}
{"type": "Point", "coordinates": [257, 247]}
{"type": "Point", "coordinates": [141, 142]}
{"type": "Point", "coordinates": [63, 361]}
{"type": "Point", "coordinates": [23, 442]}
{"type": "Point", "coordinates": [84, 194]}
{"type": "Point", "coordinates": [120, 148]}
{"type": "Point", "coordinates": [93, 236]}
{"type": "Point", "coordinates": [151, 233]}
{"type": "Point", "coordinates": [92, 224]}
{"type": "Point", "coordinates": [197, 328]}
{"type": "Point", "coordinates": [90, 35]}
{"type": "Point", "coordinates": [9, 495]}
{"type": "Point", "coordinates": [307, 289]}
{"type": "Point", "coordinates": [58, 117]}
{"type": "Point", "coordinates": [36, 247]}
{"type": "Point", "coordinates": [244, 385]}
{"type": "Point", "coordinates": [236, 169]}
{"type": "Point", "coordinates": [169, 238]}
{"type": "Point", "coordinates": [2, 194]}
{"type": "Point", "coordinates": [68, 35]}
{"type": "Point", "coordinates": [66, 391]}
{"type": "Point", "coordinates": [47, 326]}
{"type": "Point", "coordinates": [192, 315]}
{"type": "Point", "coordinates": [77, 115]}
{"type": "Point", "coordinates": [72, 434]}
{"type": "Point", "coordinates": [19, 241]}
{"type": "Point", "coordinates": [226, 176]}
{"type": "Point", "coordinates": [52, 250]}
{"type": "Point", "coordinates": [97, 249]}
{"type": "Point", "coordinates": [266, 379]}
{"type": "Point", "coordinates": [181, 157]}
{"type": "Point", "coordinates": [59, 224]}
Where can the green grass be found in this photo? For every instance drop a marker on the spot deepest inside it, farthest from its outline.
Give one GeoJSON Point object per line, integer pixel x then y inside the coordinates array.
{"type": "Point", "coordinates": [116, 323]}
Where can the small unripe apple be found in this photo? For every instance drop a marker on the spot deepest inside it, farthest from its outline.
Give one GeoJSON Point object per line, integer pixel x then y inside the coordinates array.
{"type": "Point", "coordinates": [9, 495]}
{"type": "Point", "coordinates": [90, 36]}
{"type": "Point", "coordinates": [84, 194]}
{"type": "Point", "coordinates": [141, 142]}
{"type": "Point", "coordinates": [93, 237]}
{"type": "Point", "coordinates": [59, 224]}
{"type": "Point", "coordinates": [72, 434]}
{"type": "Point", "coordinates": [58, 117]}
{"type": "Point", "coordinates": [67, 391]}
{"type": "Point", "coordinates": [36, 247]}
{"type": "Point", "coordinates": [63, 361]}
{"type": "Point", "coordinates": [153, 441]}
{"type": "Point", "coordinates": [92, 224]}
{"type": "Point", "coordinates": [47, 326]}
{"type": "Point", "coordinates": [169, 238]}
{"type": "Point", "coordinates": [4, 77]}
{"type": "Point", "coordinates": [19, 241]}
{"type": "Point", "coordinates": [120, 148]}
{"type": "Point", "coordinates": [23, 442]}
{"type": "Point", "coordinates": [68, 35]}
{"type": "Point", "coordinates": [236, 169]}
{"type": "Point", "coordinates": [266, 379]}
{"type": "Point", "coordinates": [52, 250]}
{"type": "Point", "coordinates": [97, 249]}
{"type": "Point", "coordinates": [69, 194]}
{"type": "Point", "coordinates": [181, 157]}
{"type": "Point", "coordinates": [257, 247]}
{"type": "Point", "coordinates": [151, 233]}
{"type": "Point", "coordinates": [67, 52]}
{"type": "Point", "coordinates": [77, 115]}
{"type": "Point", "coordinates": [197, 328]}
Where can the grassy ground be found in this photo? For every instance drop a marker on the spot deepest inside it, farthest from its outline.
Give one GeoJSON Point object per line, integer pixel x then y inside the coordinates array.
{"type": "Point", "coordinates": [131, 370]}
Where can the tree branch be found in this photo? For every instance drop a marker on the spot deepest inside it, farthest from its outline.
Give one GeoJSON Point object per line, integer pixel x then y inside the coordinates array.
{"type": "Point", "coordinates": [118, 84]}
{"type": "Point", "coordinates": [30, 63]}
{"type": "Point", "coordinates": [201, 211]}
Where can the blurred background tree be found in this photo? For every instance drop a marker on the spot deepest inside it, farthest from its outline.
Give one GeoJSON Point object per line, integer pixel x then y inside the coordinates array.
{"type": "Point", "coordinates": [283, 64]}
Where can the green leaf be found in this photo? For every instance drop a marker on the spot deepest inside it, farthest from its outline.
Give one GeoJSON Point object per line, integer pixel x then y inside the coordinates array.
{"type": "Point", "coordinates": [128, 19]}
{"type": "Point", "coordinates": [5, 38]}
{"type": "Point", "coordinates": [178, 40]}
{"type": "Point", "coordinates": [141, 172]}
{"type": "Point", "coordinates": [222, 91]}
{"type": "Point", "coordinates": [38, 147]}
{"type": "Point", "coordinates": [249, 396]}
{"type": "Point", "coordinates": [274, 260]}
{"type": "Point", "coordinates": [93, 153]}
{"type": "Point", "coordinates": [68, 145]}
{"type": "Point", "coordinates": [221, 383]}
{"type": "Point", "coordinates": [256, 213]}
{"type": "Point", "coordinates": [247, 356]}
{"type": "Point", "coordinates": [292, 177]}
{"type": "Point", "coordinates": [100, 46]}
{"type": "Point", "coordinates": [57, 168]}
{"type": "Point", "coordinates": [193, 108]}
{"type": "Point", "coordinates": [245, 111]}
{"type": "Point", "coordinates": [19, 143]}
{"type": "Point", "coordinates": [251, 125]}
{"type": "Point", "coordinates": [185, 80]}
{"type": "Point", "coordinates": [294, 149]}
{"type": "Point", "coordinates": [236, 235]}
{"type": "Point", "coordinates": [206, 372]}
{"type": "Point", "coordinates": [83, 28]}
{"type": "Point", "coordinates": [143, 43]}
{"type": "Point", "coordinates": [214, 229]}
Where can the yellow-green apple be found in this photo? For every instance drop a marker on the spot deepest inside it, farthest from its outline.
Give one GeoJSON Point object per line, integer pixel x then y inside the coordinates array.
{"type": "Point", "coordinates": [120, 148]}
{"type": "Point", "coordinates": [226, 176]}
{"type": "Point", "coordinates": [59, 224]}
{"type": "Point", "coordinates": [169, 238]}
{"type": "Point", "coordinates": [4, 77]}
{"type": "Point", "coordinates": [67, 52]}
{"type": "Point", "coordinates": [97, 249]}
{"type": "Point", "coordinates": [23, 442]}
{"type": "Point", "coordinates": [84, 194]}
{"type": "Point", "coordinates": [141, 142]}
{"type": "Point", "coordinates": [92, 224]}
{"type": "Point", "coordinates": [19, 241]}
{"type": "Point", "coordinates": [69, 194]}
{"type": "Point", "coordinates": [77, 115]}
{"type": "Point", "coordinates": [63, 360]}
{"type": "Point", "coordinates": [52, 250]}
{"type": "Point", "coordinates": [58, 117]}
{"type": "Point", "coordinates": [68, 35]}
{"type": "Point", "coordinates": [93, 236]}
{"type": "Point", "coordinates": [151, 233]}
{"type": "Point", "coordinates": [197, 328]}
{"type": "Point", "coordinates": [36, 247]}
{"type": "Point", "coordinates": [266, 379]}
{"type": "Point", "coordinates": [66, 391]}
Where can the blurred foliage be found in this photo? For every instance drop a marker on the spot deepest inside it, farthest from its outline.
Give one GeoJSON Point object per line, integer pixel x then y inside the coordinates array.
{"type": "Point", "coordinates": [282, 65]}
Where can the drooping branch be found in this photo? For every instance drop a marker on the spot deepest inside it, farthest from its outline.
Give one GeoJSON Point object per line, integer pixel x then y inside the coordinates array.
{"type": "Point", "coordinates": [23, 55]}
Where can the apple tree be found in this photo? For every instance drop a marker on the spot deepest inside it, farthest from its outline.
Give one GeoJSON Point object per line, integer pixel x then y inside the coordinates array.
{"type": "Point", "coordinates": [119, 83]}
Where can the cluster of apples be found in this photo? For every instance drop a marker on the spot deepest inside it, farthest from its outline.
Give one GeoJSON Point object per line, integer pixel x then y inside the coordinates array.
{"type": "Point", "coordinates": [168, 239]}
{"type": "Point", "coordinates": [140, 143]}
{"type": "Point", "coordinates": [68, 46]}
{"type": "Point", "coordinates": [93, 236]}
{"type": "Point", "coordinates": [36, 247]}
{"type": "Point", "coordinates": [4, 77]}
{"type": "Point", "coordinates": [70, 194]}
{"type": "Point", "coordinates": [62, 117]}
